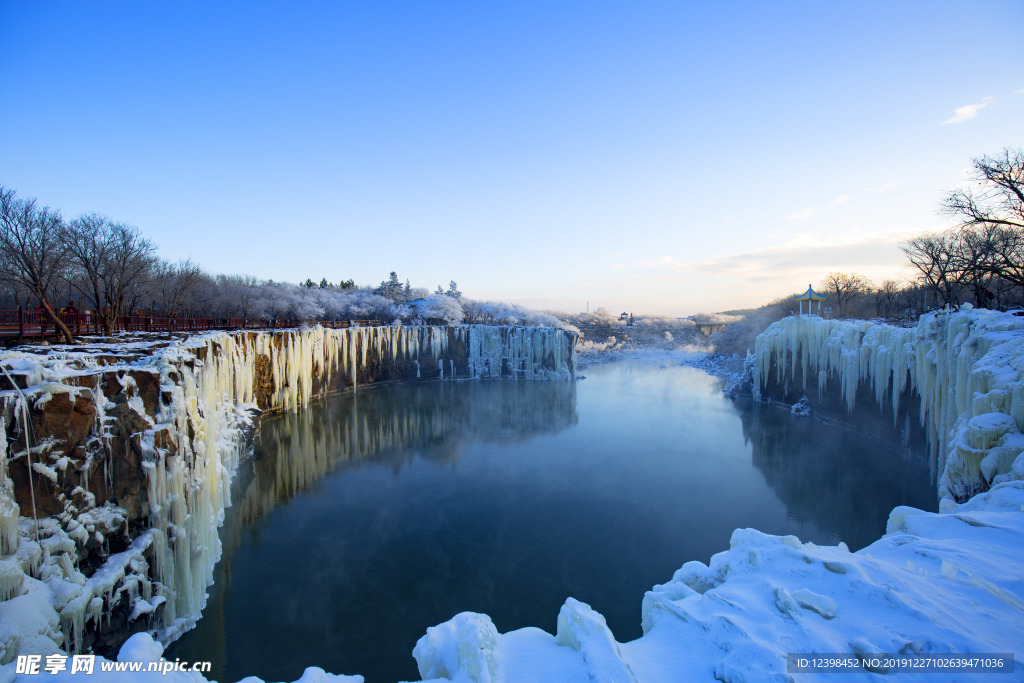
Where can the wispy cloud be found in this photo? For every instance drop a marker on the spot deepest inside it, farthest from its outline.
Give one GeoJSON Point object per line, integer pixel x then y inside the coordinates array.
{"type": "Point", "coordinates": [841, 199]}
{"type": "Point", "coordinates": [968, 111]}
{"type": "Point", "coordinates": [754, 277]}
{"type": "Point", "coordinates": [663, 262]}
{"type": "Point", "coordinates": [803, 214]}
{"type": "Point", "coordinates": [892, 184]}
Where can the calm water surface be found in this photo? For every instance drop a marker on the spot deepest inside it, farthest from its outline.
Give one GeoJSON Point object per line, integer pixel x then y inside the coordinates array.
{"type": "Point", "coordinates": [370, 517]}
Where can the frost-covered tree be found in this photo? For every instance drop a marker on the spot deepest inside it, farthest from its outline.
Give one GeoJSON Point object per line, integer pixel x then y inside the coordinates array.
{"type": "Point", "coordinates": [174, 283]}
{"type": "Point", "coordinates": [241, 295]}
{"type": "Point", "coordinates": [440, 307]}
{"type": "Point", "coordinates": [453, 290]}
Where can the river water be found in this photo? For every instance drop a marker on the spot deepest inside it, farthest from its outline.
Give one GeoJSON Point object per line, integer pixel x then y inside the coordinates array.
{"type": "Point", "coordinates": [369, 517]}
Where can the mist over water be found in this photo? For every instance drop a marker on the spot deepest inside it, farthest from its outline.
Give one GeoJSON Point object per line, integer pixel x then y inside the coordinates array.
{"type": "Point", "coordinates": [368, 518]}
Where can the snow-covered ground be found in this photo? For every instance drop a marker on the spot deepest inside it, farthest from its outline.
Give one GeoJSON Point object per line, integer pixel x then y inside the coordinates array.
{"type": "Point", "coordinates": [731, 368]}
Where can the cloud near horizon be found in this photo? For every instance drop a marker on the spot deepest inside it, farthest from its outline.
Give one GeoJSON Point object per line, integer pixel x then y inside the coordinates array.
{"type": "Point", "coordinates": [754, 278]}
{"type": "Point", "coordinates": [968, 112]}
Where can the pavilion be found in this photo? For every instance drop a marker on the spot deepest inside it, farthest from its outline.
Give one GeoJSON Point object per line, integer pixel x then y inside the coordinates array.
{"type": "Point", "coordinates": [810, 296]}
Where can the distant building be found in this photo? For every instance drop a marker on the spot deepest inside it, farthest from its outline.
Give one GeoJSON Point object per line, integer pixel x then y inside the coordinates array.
{"type": "Point", "coordinates": [414, 305]}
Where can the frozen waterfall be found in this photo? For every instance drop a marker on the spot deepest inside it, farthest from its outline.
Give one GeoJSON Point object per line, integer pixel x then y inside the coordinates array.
{"type": "Point", "coordinates": [966, 366]}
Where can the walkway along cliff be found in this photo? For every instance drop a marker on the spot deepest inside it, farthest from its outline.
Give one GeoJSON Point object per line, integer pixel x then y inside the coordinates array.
{"type": "Point", "coordinates": [133, 446]}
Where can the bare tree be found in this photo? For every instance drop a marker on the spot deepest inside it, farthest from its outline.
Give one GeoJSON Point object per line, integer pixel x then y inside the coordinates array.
{"type": "Point", "coordinates": [113, 258]}
{"type": "Point", "coordinates": [934, 256]}
{"type": "Point", "coordinates": [31, 251]}
{"type": "Point", "coordinates": [843, 288]}
{"type": "Point", "coordinates": [172, 284]}
{"type": "Point", "coordinates": [886, 297]}
{"type": "Point", "coordinates": [994, 208]}
{"type": "Point", "coordinates": [975, 260]}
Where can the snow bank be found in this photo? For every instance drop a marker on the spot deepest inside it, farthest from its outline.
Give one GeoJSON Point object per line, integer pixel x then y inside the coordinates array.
{"type": "Point", "coordinates": [966, 366]}
{"type": "Point", "coordinates": [944, 582]}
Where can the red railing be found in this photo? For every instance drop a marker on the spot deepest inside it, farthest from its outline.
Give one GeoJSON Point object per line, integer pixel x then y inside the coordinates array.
{"type": "Point", "coordinates": [21, 324]}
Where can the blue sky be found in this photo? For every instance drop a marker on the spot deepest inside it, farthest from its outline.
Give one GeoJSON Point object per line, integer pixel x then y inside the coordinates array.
{"type": "Point", "coordinates": [657, 157]}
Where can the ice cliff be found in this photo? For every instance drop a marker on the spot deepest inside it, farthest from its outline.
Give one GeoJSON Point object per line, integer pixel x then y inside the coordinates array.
{"type": "Point", "coordinates": [966, 366]}
{"type": "Point", "coordinates": [133, 447]}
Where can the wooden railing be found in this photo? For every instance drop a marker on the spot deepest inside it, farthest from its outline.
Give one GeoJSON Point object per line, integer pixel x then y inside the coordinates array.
{"type": "Point", "coordinates": [25, 325]}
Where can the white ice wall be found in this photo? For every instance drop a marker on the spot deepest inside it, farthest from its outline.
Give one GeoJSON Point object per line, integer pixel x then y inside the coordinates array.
{"type": "Point", "coordinates": [966, 366]}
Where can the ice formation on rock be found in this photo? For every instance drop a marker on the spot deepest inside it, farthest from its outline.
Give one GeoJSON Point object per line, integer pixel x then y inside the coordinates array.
{"type": "Point", "coordinates": [966, 366]}
{"type": "Point", "coordinates": [189, 442]}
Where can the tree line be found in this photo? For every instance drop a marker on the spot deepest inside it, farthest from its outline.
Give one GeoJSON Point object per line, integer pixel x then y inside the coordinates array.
{"type": "Point", "coordinates": [98, 264]}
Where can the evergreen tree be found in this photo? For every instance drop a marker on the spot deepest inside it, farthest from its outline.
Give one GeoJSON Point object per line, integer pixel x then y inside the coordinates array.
{"type": "Point", "coordinates": [392, 288]}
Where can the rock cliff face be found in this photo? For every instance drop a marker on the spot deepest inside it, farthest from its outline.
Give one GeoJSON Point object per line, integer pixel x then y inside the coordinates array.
{"type": "Point", "coordinates": [133, 446]}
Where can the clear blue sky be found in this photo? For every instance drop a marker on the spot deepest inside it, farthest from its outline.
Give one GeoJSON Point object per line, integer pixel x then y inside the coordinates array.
{"type": "Point", "coordinates": [660, 157]}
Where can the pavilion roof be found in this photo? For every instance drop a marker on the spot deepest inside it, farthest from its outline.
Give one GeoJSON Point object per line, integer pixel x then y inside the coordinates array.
{"type": "Point", "coordinates": [810, 295]}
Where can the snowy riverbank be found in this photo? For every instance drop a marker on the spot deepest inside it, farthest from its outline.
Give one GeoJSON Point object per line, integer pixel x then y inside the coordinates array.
{"type": "Point", "coordinates": [935, 583]}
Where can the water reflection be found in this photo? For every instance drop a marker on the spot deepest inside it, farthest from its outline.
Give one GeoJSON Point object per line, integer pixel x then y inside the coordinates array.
{"type": "Point", "coordinates": [393, 425]}
{"type": "Point", "coordinates": [369, 518]}
{"type": "Point", "coordinates": [836, 476]}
